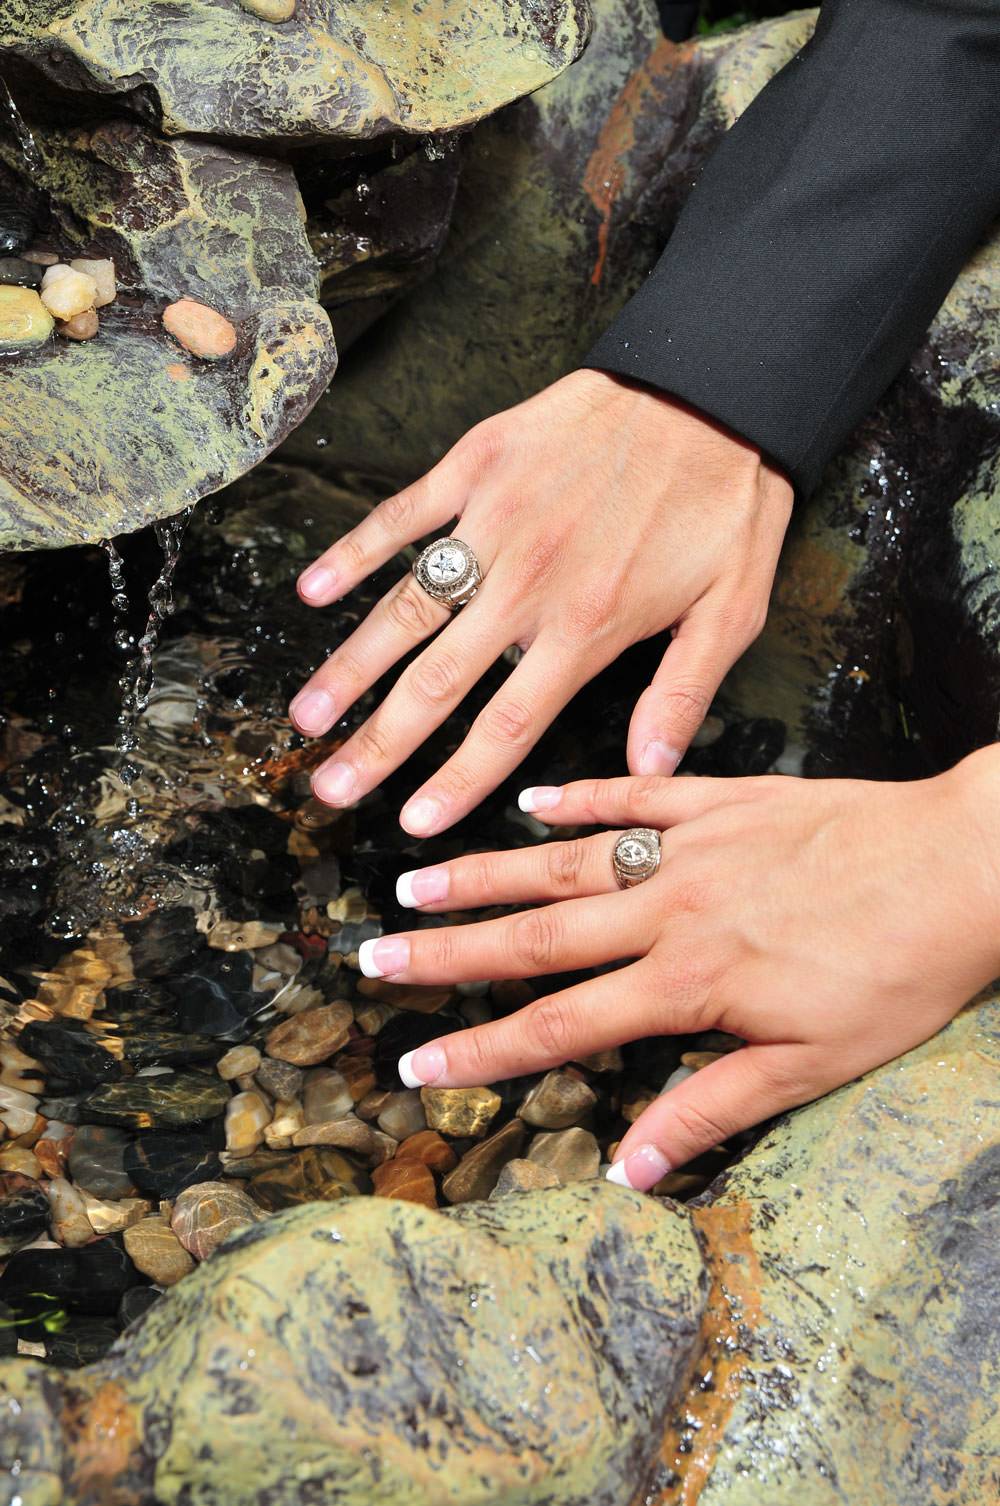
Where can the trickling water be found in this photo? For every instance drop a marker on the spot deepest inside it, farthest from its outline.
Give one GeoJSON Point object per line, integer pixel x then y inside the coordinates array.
{"type": "Point", "coordinates": [21, 132]}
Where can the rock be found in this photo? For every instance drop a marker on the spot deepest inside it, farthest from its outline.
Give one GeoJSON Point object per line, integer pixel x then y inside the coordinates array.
{"type": "Point", "coordinates": [215, 995]}
{"type": "Point", "coordinates": [102, 274]}
{"type": "Point", "coordinates": [52, 1149]}
{"type": "Point", "coordinates": [350, 1134]}
{"type": "Point", "coordinates": [238, 1061]}
{"type": "Point", "coordinates": [24, 319]}
{"type": "Point", "coordinates": [40, 257]}
{"type": "Point", "coordinates": [156, 1251]}
{"type": "Point", "coordinates": [359, 1074]}
{"type": "Point", "coordinates": [325, 1096]}
{"type": "Point", "coordinates": [309, 1038]}
{"type": "Point", "coordinates": [318, 1173]}
{"type": "Point", "coordinates": [90, 1279]}
{"type": "Point", "coordinates": [113, 1218]}
{"type": "Point", "coordinates": [476, 1174]}
{"type": "Point", "coordinates": [201, 330]}
{"type": "Point", "coordinates": [241, 935]}
{"type": "Point", "coordinates": [146, 1045]}
{"type": "Point", "coordinates": [72, 1057]}
{"type": "Point", "coordinates": [410, 1180]}
{"type": "Point", "coordinates": [162, 1163]}
{"type": "Point", "coordinates": [371, 1016]}
{"type": "Point", "coordinates": [96, 1161]}
{"type": "Point", "coordinates": [270, 10]}
{"type": "Point", "coordinates": [69, 1222]}
{"type": "Point", "coordinates": [428, 1146]}
{"type": "Point", "coordinates": [677, 1076]}
{"type": "Point", "coordinates": [247, 1116]}
{"type": "Point", "coordinates": [168, 1100]}
{"type": "Point", "coordinates": [403, 1114]}
{"type": "Point", "coordinates": [19, 273]}
{"type": "Point", "coordinates": [206, 1214]}
{"type": "Point", "coordinates": [80, 1341]}
{"type": "Point", "coordinates": [66, 293]}
{"type": "Point", "coordinates": [405, 996]}
{"type": "Point", "coordinates": [81, 327]}
{"type": "Point", "coordinates": [280, 1079]}
{"type": "Point", "coordinates": [696, 1060]}
{"type": "Point", "coordinates": [524, 1176]}
{"type": "Point", "coordinates": [18, 1158]}
{"type": "Point", "coordinates": [372, 1104]}
{"type": "Point", "coordinates": [573, 1154]}
{"type": "Point", "coordinates": [460, 1111]}
{"type": "Point", "coordinates": [24, 1211]}
{"type": "Point", "coordinates": [557, 1102]}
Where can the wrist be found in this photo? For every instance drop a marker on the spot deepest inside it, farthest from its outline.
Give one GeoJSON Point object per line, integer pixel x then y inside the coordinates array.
{"type": "Point", "coordinates": [973, 787]}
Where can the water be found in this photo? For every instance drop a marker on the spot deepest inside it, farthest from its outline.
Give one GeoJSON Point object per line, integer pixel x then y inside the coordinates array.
{"type": "Point", "coordinates": [21, 133]}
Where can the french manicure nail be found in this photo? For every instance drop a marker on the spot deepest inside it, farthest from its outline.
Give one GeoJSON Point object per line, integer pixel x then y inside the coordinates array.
{"type": "Point", "coordinates": [335, 784]}
{"type": "Point", "coordinates": [540, 797]}
{"type": "Point", "coordinates": [422, 886]}
{"type": "Point", "coordinates": [641, 1169]}
{"type": "Point", "coordinates": [384, 957]}
{"type": "Point", "coordinates": [314, 711]}
{"type": "Point", "coordinates": [657, 757]}
{"type": "Point", "coordinates": [421, 817]}
{"type": "Point", "coordinates": [317, 582]}
{"type": "Point", "coordinates": [420, 1067]}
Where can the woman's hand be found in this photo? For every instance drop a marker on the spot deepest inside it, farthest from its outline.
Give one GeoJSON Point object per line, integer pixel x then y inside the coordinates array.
{"type": "Point", "coordinates": [831, 924]}
{"type": "Point", "coordinates": [601, 514]}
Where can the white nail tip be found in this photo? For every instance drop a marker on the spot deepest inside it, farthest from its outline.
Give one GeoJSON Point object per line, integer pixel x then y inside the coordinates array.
{"type": "Point", "coordinates": [404, 891]}
{"type": "Point", "coordinates": [407, 1073]}
{"type": "Point", "coordinates": [526, 801]}
{"type": "Point", "coordinates": [619, 1175]}
{"type": "Point", "coordinates": [366, 960]}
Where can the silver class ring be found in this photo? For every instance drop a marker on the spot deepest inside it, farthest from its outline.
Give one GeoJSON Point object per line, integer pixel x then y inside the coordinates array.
{"type": "Point", "coordinates": [449, 571]}
{"type": "Point", "coordinates": [636, 856]}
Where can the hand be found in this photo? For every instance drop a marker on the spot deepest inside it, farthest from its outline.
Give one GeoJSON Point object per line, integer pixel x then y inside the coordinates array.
{"type": "Point", "coordinates": [601, 514]}
{"type": "Point", "coordinates": [831, 924]}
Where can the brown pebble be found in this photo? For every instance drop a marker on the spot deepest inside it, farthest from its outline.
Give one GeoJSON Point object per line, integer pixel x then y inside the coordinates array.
{"type": "Point", "coordinates": [203, 331]}
{"type": "Point", "coordinates": [573, 1154]}
{"type": "Point", "coordinates": [476, 1174]}
{"type": "Point", "coordinates": [521, 1175]}
{"type": "Point", "coordinates": [358, 1073]}
{"type": "Point", "coordinates": [409, 1180]}
{"type": "Point", "coordinates": [428, 1146]}
{"type": "Point", "coordinates": [696, 1060]}
{"type": "Point", "coordinates": [307, 1039]}
{"type": "Point", "coordinates": [81, 327]}
{"type": "Point", "coordinates": [40, 258]}
{"type": "Point", "coordinates": [460, 1111]}
{"type": "Point", "coordinates": [237, 1061]}
{"type": "Point", "coordinates": [405, 995]}
{"type": "Point", "coordinates": [557, 1102]}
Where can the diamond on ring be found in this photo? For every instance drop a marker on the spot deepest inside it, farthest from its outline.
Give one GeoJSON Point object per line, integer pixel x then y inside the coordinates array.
{"type": "Point", "coordinates": [636, 856]}
{"type": "Point", "coordinates": [449, 571]}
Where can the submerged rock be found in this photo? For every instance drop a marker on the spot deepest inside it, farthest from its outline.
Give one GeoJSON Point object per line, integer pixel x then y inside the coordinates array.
{"type": "Point", "coordinates": [206, 1214]}
{"type": "Point", "coordinates": [24, 1211]}
{"type": "Point", "coordinates": [160, 1101]}
{"type": "Point", "coordinates": [24, 319]}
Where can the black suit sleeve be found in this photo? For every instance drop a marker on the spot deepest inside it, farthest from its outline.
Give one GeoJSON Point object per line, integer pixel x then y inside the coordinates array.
{"type": "Point", "coordinates": [826, 229]}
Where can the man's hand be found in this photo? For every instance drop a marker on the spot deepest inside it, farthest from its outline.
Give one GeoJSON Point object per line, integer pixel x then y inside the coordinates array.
{"type": "Point", "coordinates": [601, 513]}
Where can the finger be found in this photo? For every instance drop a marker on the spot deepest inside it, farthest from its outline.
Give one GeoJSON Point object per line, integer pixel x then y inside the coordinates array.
{"type": "Point", "coordinates": [567, 1026]}
{"type": "Point", "coordinates": [500, 737]}
{"type": "Point", "coordinates": [734, 1093]}
{"type": "Point", "coordinates": [427, 505]}
{"type": "Point", "coordinates": [424, 695]}
{"type": "Point", "coordinates": [670, 711]}
{"type": "Point", "coordinates": [550, 871]}
{"type": "Point", "coordinates": [647, 801]}
{"type": "Point", "coordinates": [577, 933]}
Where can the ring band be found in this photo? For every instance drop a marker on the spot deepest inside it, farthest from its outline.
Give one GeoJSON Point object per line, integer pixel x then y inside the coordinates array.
{"type": "Point", "coordinates": [449, 572]}
{"type": "Point", "coordinates": [636, 856]}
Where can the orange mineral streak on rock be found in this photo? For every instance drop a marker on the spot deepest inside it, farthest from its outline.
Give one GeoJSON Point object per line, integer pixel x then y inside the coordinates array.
{"type": "Point", "coordinates": [102, 1436]}
{"type": "Point", "coordinates": [696, 1430]}
{"type": "Point", "coordinates": [178, 372]}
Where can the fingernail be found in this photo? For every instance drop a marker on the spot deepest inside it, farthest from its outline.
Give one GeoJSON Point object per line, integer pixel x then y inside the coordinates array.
{"type": "Point", "coordinates": [540, 797]}
{"type": "Point", "coordinates": [313, 711]}
{"type": "Point", "coordinates": [317, 582]}
{"type": "Point", "coordinates": [421, 817]}
{"type": "Point", "coordinates": [640, 1170]}
{"type": "Point", "coordinates": [335, 784]}
{"type": "Point", "coordinates": [422, 886]}
{"type": "Point", "coordinates": [658, 758]}
{"type": "Point", "coordinates": [421, 1067]}
{"type": "Point", "coordinates": [385, 957]}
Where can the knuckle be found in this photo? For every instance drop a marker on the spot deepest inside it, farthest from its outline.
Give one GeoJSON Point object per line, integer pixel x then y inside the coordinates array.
{"type": "Point", "coordinates": [460, 780]}
{"type": "Point", "coordinates": [537, 563]}
{"type": "Point", "coordinates": [396, 512]}
{"type": "Point", "coordinates": [483, 874]}
{"type": "Point", "coordinates": [436, 680]}
{"type": "Point", "coordinates": [410, 610]}
{"type": "Point", "coordinates": [441, 946]}
{"type": "Point", "coordinates": [687, 705]}
{"type": "Point", "coordinates": [534, 939]}
{"type": "Point", "coordinates": [595, 614]}
{"type": "Point", "coordinates": [480, 1053]}
{"type": "Point", "coordinates": [373, 745]}
{"type": "Point", "coordinates": [549, 1029]}
{"type": "Point", "coordinates": [564, 865]}
{"type": "Point", "coordinates": [353, 551]}
{"type": "Point", "coordinates": [483, 446]}
{"type": "Point", "coordinates": [508, 722]}
{"type": "Point", "coordinates": [702, 1123]}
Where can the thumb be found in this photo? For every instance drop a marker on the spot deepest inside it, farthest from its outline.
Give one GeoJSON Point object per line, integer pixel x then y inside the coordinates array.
{"type": "Point", "coordinates": [670, 711]}
{"type": "Point", "coordinates": [734, 1093]}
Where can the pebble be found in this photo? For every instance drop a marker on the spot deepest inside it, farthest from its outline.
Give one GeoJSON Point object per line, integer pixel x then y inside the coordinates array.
{"type": "Point", "coordinates": [696, 1060]}
{"type": "Point", "coordinates": [270, 10]}
{"type": "Point", "coordinates": [166, 1100]}
{"type": "Point", "coordinates": [22, 1123]}
{"type": "Point", "coordinates": [287, 1120]}
{"type": "Point", "coordinates": [709, 732]}
{"type": "Point", "coordinates": [70, 1055]}
{"type": "Point", "coordinates": [102, 273]}
{"type": "Point", "coordinates": [603, 1061]}
{"type": "Point", "coordinates": [372, 1015]}
{"type": "Point", "coordinates": [19, 1158]}
{"type": "Point", "coordinates": [66, 293]}
{"type": "Point", "coordinates": [112, 1218]}
{"type": "Point", "coordinates": [24, 319]}
{"type": "Point", "coordinates": [90, 1279]}
{"type": "Point", "coordinates": [156, 1251]}
{"type": "Point", "coordinates": [428, 1146]}
{"type": "Point", "coordinates": [318, 1173]}
{"type": "Point", "coordinates": [164, 1162]}
{"type": "Point", "coordinates": [403, 1114]}
{"type": "Point", "coordinates": [18, 273]}
{"type": "Point", "coordinates": [237, 1061]}
{"type": "Point", "coordinates": [207, 1213]}
{"type": "Point", "coordinates": [573, 1154]}
{"type": "Point", "coordinates": [522, 1175]}
{"type": "Point", "coordinates": [69, 1223]}
{"type": "Point", "coordinates": [201, 330]}
{"type": "Point", "coordinates": [350, 1133]}
{"type": "Point", "coordinates": [81, 327]}
{"type": "Point", "coordinates": [677, 1076]}
{"type": "Point", "coordinates": [241, 935]}
{"type": "Point", "coordinates": [280, 1079]}
{"type": "Point", "coordinates": [460, 1111]}
{"type": "Point", "coordinates": [359, 1074]}
{"type": "Point", "coordinates": [309, 1038]}
{"type": "Point", "coordinates": [409, 1180]}
{"type": "Point", "coordinates": [476, 1174]}
{"type": "Point", "coordinates": [326, 1096]}
{"type": "Point", "coordinates": [40, 257]}
{"type": "Point", "coordinates": [14, 1064]}
{"type": "Point", "coordinates": [557, 1102]}
{"type": "Point", "coordinates": [372, 1104]}
{"type": "Point", "coordinates": [24, 1211]}
{"type": "Point", "coordinates": [247, 1116]}
{"type": "Point", "coordinates": [405, 995]}
{"type": "Point", "coordinates": [96, 1161]}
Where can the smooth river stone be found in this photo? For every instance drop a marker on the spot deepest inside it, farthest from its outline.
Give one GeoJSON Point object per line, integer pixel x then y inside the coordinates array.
{"type": "Point", "coordinates": [70, 1055]}
{"type": "Point", "coordinates": [164, 1101]}
{"type": "Point", "coordinates": [270, 10]}
{"type": "Point", "coordinates": [237, 1062]}
{"type": "Point", "coordinates": [280, 1079]}
{"type": "Point", "coordinates": [102, 273]}
{"type": "Point", "coordinates": [350, 1134]}
{"type": "Point", "coordinates": [410, 1180]}
{"type": "Point", "coordinates": [573, 1154]}
{"type": "Point", "coordinates": [428, 1146]}
{"type": "Point", "coordinates": [90, 1279]}
{"type": "Point", "coordinates": [206, 1214]}
{"type": "Point", "coordinates": [203, 331]}
{"type": "Point", "coordinates": [24, 1211]}
{"type": "Point", "coordinates": [403, 1114]}
{"type": "Point", "coordinates": [524, 1176]}
{"type": "Point", "coordinates": [66, 293]}
{"type": "Point", "coordinates": [162, 1163]}
{"type": "Point", "coordinates": [69, 1223]}
{"type": "Point", "coordinates": [157, 1252]}
{"type": "Point", "coordinates": [15, 272]}
{"type": "Point", "coordinates": [113, 1218]}
{"type": "Point", "coordinates": [476, 1174]}
{"type": "Point", "coordinates": [214, 994]}
{"type": "Point", "coordinates": [318, 1173]}
{"type": "Point", "coordinates": [558, 1101]}
{"type": "Point", "coordinates": [96, 1161]}
{"type": "Point", "coordinates": [326, 1096]}
{"type": "Point", "coordinates": [307, 1039]}
{"type": "Point", "coordinates": [247, 1117]}
{"type": "Point", "coordinates": [82, 326]}
{"type": "Point", "coordinates": [460, 1111]}
{"type": "Point", "coordinates": [24, 319]}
